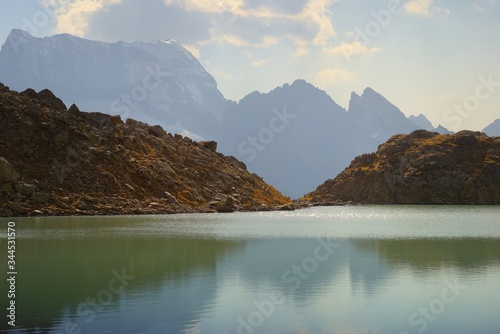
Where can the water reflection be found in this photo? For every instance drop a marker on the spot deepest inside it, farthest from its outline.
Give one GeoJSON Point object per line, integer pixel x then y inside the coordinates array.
{"type": "Point", "coordinates": [193, 284]}
{"type": "Point", "coordinates": [58, 275]}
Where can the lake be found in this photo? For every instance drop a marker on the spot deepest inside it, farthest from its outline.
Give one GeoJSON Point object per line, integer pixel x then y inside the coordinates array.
{"type": "Point", "coordinates": [352, 269]}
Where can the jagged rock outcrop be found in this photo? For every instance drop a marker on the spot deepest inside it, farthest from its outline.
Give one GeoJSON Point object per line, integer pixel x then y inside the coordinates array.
{"type": "Point", "coordinates": [55, 161]}
{"type": "Point", "coordinates": [421, 168]}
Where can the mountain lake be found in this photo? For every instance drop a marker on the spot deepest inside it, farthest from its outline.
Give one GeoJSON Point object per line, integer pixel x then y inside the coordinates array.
{"type": "Point", "coordinates": [344, 269]}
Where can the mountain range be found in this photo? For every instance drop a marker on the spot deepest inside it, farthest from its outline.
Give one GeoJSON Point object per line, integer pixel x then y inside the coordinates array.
{"type": "Point", "coordinates": [295, 136]}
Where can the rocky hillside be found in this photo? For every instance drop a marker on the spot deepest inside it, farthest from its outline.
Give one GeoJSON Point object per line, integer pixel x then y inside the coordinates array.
{"type": "Point", "coordinates": [420, 168]}
{"type": "Point", "coordinates": [55, 161]}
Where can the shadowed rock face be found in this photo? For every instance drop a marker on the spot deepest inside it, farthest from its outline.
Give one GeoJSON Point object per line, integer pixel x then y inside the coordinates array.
{"type": "Point", "coordinates": [55, 161]}
{"type": "Point", "coordinates": [421, 168]}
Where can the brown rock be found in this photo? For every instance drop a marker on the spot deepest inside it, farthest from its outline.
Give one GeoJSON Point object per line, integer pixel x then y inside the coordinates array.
{"type": "Point", "coordinates": [41, 198]}
{"type": "Point", "coordinates": [421, 168]}
{"type": "Point", "coordinates": [93, 163]}
{"type": "Point", "coordinates": [157, 131]}
{"type": "Point", "coordinates": [7, 172]}
{"type": "Point", "coordinates": [209, 145]}
{"type": "Point", "coordinates": [31, 93]}
{"type": "Point", "coordinates": [286, 207]}
{"type": "Point", "coordinates": [17, 207]}
{"type": "Point", "coordinates": [74, 110]}
{"type": "Point", "coordinates": [171, 199]}
{"type": "Point", "coordinates": [25, 189]}
{"type": "Point", "coordinates": [49, 97]}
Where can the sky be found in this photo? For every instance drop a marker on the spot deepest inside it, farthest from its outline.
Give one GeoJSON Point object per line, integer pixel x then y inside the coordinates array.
{"type": "Point", "coordinates": [431, 57]}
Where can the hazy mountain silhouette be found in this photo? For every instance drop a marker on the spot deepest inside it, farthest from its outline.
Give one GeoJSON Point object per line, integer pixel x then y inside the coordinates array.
{"type": "Point", "coordinates": [493, 129]}
{"type": "Point", "coordinates": [295, 136]}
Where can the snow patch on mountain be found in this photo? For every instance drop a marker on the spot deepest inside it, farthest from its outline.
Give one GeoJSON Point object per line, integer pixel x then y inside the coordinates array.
{"type": "Point", "coordinates": [159, 82]}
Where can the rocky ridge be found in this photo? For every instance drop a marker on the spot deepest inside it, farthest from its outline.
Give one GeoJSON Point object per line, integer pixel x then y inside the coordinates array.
{"type": "Point", "coordinates": [58, 161]}
{"type": "Point", "coordinates": [420, 168]}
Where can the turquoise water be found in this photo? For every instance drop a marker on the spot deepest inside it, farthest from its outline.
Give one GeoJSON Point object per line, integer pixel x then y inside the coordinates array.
{"type": "Point", "coordinates": [354, 269]}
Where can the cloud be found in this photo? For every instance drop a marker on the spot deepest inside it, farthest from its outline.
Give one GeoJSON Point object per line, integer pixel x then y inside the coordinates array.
{"type": "Point", "coordinates": [260, 62]}
{"type": "Point", "coordinates": [279, 6]}
{"type": "Point", "coordinates": [301, 49]}
{"type": "Point", "coordinates": [198, 23]}
{"type": "Point", "coordinates": [257, 62]}
{"type": "Point", "coordinates": [350, 49]}
{"type": "Point", "coordinates": [482, 6]}
{"type": "Point", "coordinates": [425, 8]}
{"type": "Point", "coordinates": [147, 20]}
{"type": "Point", "coordinates": [332, 75]}
{"type": "Point", "coordinates": [304, 22]}
{"type": "Point", "coordinates": [72, 16]}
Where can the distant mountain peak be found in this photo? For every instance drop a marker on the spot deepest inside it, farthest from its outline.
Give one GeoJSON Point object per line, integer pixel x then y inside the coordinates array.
{"type": "Point", "coordinates": [422, 122]}
{"type": "Point", "coordinates": [20, 32]}
{"type": "Point", "coordinates": [157, 81]}
{"type": "Point", "coordinates": [369, 90]}
{"type": "Point", "coordinates": [16, 38]}
{"type": "Point", "coordinates": [493, 129]}
{"type": "Point", "coordinates": [369, 95]}
{"type": "Point", "coordinates": [299, 86]}
{"type": "Point", "coordinates": [354, 96]}
{"type": "Point", "coordinates": [302, 82]}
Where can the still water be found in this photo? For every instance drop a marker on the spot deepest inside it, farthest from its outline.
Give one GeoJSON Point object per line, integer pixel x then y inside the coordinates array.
{"type": "Point", "coordinates": [355, 269]}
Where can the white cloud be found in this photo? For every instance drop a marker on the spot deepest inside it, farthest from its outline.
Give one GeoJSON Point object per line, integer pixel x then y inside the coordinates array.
{"type": "Point", "coordinates": [260, 62]}
{"type": "Point", "coordinates": [236, 40]}
{"type": "Point", "coordinates": [72, 16]}
{"type": "Point", "coordinates": [257, 62]}
{"type": "Point", "coordinates": [302, 49]}
{"type": "Point", "coordinates": [197, 23]}
{"type": "Point", "coordinates": [481, 6]}
{"type": "Point", "coordinates": [332, 75]}
{"type": "Point", "coordinates": [425, 8]}
{"type": "Point", "coordinates": [208, 6]}
{"type": "Point", "coordinates": [304, 22]}
{"type": "Point", "coordinates": [350, 49]}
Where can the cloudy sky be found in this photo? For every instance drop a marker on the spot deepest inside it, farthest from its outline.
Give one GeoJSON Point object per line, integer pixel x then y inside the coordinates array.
{"type": "Point", "coordinates": [436, 57]}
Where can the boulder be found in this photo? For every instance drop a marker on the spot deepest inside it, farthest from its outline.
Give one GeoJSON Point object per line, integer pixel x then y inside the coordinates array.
{"type": "Point", "coordinates": [49, 97]}
{"type": "Point", "coordinates": [7, 172]}
{"type": "Point", "coordinates": [286, 207]}
{"type": "Point", "coordinates": [157, 131]}
{"type": "Point", "coordinates": [17, 207]}
{"type": "Point", "coordinates": [40, 198]}
{"type": "Point", "coordinates": [170, 199]}
{"type": "Point", "coordinates": [25, 189]}
{"type": "Point", "coordinates": [74, 110]}
{"type": "Point", "coordinates": [31, 93]}
{"type": "Point", "coordinates": [209, 145]}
